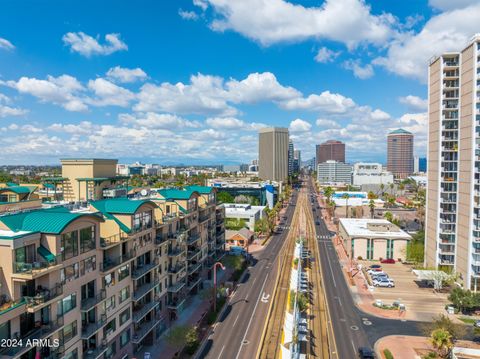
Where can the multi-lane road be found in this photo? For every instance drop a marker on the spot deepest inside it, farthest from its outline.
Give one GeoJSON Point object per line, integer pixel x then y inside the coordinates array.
{"type": "Point", "coordinates": [352, 327]}
{"type": "Point", "coordinates": [238, 332]}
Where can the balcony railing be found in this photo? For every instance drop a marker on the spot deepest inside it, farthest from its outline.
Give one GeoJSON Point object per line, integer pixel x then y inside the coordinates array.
{"type": "Point", "coordinates": [110, 263]}
{"type": "Point", "coordinates": [194, 267]}
{"type": "Point", "coordinates": [176, 287]}
{"type": "Point", "coordinates": [143, 289]}
{"type": "Point", "coordinates": [141, 270]}
{"type": "Point", "coordinates": [175, 251]}
{"type": "Point", "coordinates": [95, 353]}
{"type": "Point", "coordinates": [89, 303]}
{"type": "Point", "coordinates": [139, 314]}
{"type": "Point", "coordinates": [33, 267]}
{"type": "Point", "coordinates": [6, 307]}
{"type": "Point", "coordinates": [42, 331]}
{"type": "Point", "coordinates": [113, 240]}
{"type": "Point", "coordinates": [88, 329]}
{"type": "Point", "coordinates": [144, 329]}
{"type": "Point", "coordinates": [44, 295]}
{"type": "Point", "coordinates": [192, 253]}
{"type": "Point", "coordinates": [176, 268]}
{"type": "Point", "coordinates": [193, 238]}
{"type": "Point", "coordinates": [159, 239]}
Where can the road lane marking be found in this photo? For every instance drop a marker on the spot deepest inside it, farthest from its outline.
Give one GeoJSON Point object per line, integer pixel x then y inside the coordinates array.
{"type": "Point", "coordinates": [251, 317]}
{"type": "Point", "coordinates": [221, 351]}
{"type": "Point", "coordinates": [331, 270]}
{"type": "Point", "coordinates": [235, 322]}
{"type": "Point", "coordinates": [265, 297]}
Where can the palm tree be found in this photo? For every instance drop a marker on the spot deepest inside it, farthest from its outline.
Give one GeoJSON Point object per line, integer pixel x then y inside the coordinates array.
{"type": "Point", "coordinates": [388, 216]}
{"type": "Point", "coordinates": [328, 192]}
{"type": "Point", "coordinates": [441, 340]}
{"type": "Point", "coordinates": [371, 204]}
{"type": "Point", "coordinates": [346, 196]}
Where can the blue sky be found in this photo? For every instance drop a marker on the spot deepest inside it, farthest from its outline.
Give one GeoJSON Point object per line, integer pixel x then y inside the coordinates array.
{"type": "Point", "coordinates": [192, 81]}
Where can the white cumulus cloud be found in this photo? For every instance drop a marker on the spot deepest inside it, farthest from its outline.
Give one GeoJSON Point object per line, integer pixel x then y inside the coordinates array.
{"type": "Point", "coordinates": [87, 45]}
{"type": "Point", "coordinates": [414, 103]}
{"type": "Point", "coordinates": [359, 71]}
{"type": "Point", "coordinates": [325, 55]}
{"type": "Point", "coordinates": [124, 75]}
{"type": "Point", "coordinates": [299, 125]}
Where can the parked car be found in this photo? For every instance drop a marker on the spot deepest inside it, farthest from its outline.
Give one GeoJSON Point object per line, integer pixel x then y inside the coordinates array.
{"type": "Point", "coordinates": [366, 353]}
{"type": "Point", "coordinates": [317, 223]}
{"type": "Point", "coordinates": [374, 270]}
{"type": "Point", "coordinates": [384, 282]}
{"type": "Point", "coordinates": [375, 266]}
{"type": "Point", "coordinates": [477, 324]}
{"type": "Point", "coordinates": [388, 261]}
{"type": "Point", "coordinates": [375, 275]}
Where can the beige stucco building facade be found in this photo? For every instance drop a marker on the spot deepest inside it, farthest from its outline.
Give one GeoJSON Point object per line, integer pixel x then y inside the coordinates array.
{"type": "Point", "coordinates": [453, 190]}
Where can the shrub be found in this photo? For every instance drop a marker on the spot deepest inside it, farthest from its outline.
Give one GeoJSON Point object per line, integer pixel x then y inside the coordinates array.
{"type": "Point", "coordinates": [388, 354]}
{"type": "Point", "coordinates": [360, 258]}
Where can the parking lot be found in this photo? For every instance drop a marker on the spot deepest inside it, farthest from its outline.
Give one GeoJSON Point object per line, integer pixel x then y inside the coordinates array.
{"type": "Point", "coordinates": [422, 301]}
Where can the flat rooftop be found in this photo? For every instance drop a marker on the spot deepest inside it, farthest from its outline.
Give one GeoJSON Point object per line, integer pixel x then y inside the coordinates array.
{"type": "Point", "coordinates": [362, 227]}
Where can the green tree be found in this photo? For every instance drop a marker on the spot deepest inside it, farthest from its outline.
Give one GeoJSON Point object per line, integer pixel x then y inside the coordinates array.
{"type": "Point", "coordinates": [443, 322]}
{"type": "Point", "coordinates": [191, 340]}
{"type": "Point", "coordinates": [224, 197]}
{"type": "Point", "coordinates": [302, 302]}
{"type": "Point", "coordinates": [441, 340]}
{"type": "Point", "coordinates": [388, 216]}
{"type": "Point", "coordinates": [371, 205]}
{"type": "Point", "coordinates": [463, 299]}
{"type": "Point", "coordinates": [177, 335]}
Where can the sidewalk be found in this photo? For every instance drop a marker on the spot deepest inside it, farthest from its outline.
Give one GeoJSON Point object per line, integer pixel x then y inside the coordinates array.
{"type": "Point", "coordinates": [410, 347]}
{"type": "Point", "coordinates": [403, 347]}
{"type": "Point", "coordinates": [358, 284]}
{"type": "Point", "coordinates": [192, 315]}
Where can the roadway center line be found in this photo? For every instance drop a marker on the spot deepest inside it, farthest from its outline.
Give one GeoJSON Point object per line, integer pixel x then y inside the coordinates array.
{"type": "Point", "coordinates": [251, 317]}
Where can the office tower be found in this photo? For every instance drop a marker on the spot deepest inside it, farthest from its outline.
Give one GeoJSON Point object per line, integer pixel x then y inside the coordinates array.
{"type": "Point", "coordinates": [290, 157]}
{"type": "Point", "coordinates": [273, 146]}
{"type": "Point", "coordinates": [297, 161]}
{"type": "Point", "coordinates": [334, 172]}
{"type": "Point", "coordinates": [453, 200]}
{"type": "Point", "coordinates": [400, 153]}
{"type": "Point", "coordinates": [330, 150]}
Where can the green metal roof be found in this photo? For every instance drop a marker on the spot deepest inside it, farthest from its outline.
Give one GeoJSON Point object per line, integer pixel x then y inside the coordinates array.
{"type": "Point", "coordinates": [174, 193]}
{"type": "Point", "coordinates": [201, 189]}
{"type": "Point", "coordinates": [101, 179]}
{"type": "Point", "coordinates": [12, 184]}
{"type": "Point", "coordinates": [400, 131]}
{"type": "Point", "coordinates": [49, 186]}
{"type": "Point", "coordinates": [119, 205]}
{"type": "Point", "coordinates": [52, 220]}
{"type": "Point", "coordinates": [45, 253]}
{"type": "Point", "coordinates": [18, 189]}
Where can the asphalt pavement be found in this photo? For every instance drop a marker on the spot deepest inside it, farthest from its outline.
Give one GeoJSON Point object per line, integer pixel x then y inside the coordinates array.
{"type": "Point", "coordinates": [352, 327]}
{"type": "Point", "coordinates": [238, 331]}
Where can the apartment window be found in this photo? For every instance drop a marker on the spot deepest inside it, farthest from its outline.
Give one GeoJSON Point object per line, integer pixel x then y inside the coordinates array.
{"type": "Point", "coordinates": [124, 316]}
{"type": "Point", "coordinates": [72, 355]}
{"type": "Point", "coordinates": [88, 265]}
{"type": "Point", "coordinates": [67, 304]}
{"type": "Point", "coordinates": [123, 272]}
{"type": "Point", "coordinates": [109, 304]}
{"type": "Point", "coordinates": [25, 254]}
{"type": "Point", "coordinates": [125, 338]}
{"type": "Point", "coordinates": [68, 332]}
{"type": "Point", "coordinates": [109, 328]}
{"type": "Point", "coordinates": [5, 330]}
{"type": "Point", "coordinates": [124, 295]}
{"type": "Point", "coordinates": [69, 273]}
{"type": "Point", "coordinates": [87, 239]}
{"type": "Point", "coordinates": [111, 351]}
{"type": "Point", "coordinates": [69, 245]}
{"type": "Point", "coordinates": [109, 280]}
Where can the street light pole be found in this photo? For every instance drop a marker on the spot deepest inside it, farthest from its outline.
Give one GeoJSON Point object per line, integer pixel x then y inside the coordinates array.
{"type": "Point", "coordinates": [215, 284]}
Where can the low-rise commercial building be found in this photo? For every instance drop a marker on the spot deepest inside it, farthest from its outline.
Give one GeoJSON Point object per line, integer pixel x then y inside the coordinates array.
{"type": "Point", "coordinates": [241, 238]}
{"type": "Point", "coordinates": [247, 212]}
{"type": "Point", "coordinates": [373, 239]}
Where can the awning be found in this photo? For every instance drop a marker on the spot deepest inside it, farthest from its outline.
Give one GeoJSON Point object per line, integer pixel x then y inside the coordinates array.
{"type": "Point", "coordinates": [45, 253]}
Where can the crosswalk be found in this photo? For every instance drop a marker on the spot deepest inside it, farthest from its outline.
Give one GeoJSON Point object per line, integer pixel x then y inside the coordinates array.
{"type": "Point", "coordinates": [323, 236]}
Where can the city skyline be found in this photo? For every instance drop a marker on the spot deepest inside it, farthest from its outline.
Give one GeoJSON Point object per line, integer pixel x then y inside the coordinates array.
{"type": "Point", "coordinates": [197, 85]}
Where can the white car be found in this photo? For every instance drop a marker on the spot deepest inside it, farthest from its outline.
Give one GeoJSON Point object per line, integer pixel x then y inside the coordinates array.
{"type": "Point", "coordinates": [384, 282]}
